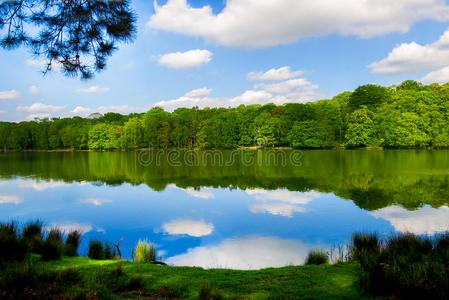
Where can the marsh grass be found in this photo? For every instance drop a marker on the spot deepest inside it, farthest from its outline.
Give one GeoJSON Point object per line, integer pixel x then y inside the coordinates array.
{"type": "Point", "coordinates": [403, 265]}
{"type": "Point", "coordinates": [72, 243]}
{"type": "Point", "coordinates": [12, 246]}
{"type": "Point", "coordinates": [145, 252]}
{"type": "Point", "coordinates": [100, 251]}
{"type": "Point", "coordinates": [33, 234]}
{"type": "Point", "coordinates": [207, 293]}
{"type": "Point", "coordinates": [53, 247]}
{"type": "Point", "coordinates": [317, 257]}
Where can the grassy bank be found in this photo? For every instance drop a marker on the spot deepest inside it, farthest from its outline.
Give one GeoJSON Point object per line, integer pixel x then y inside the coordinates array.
{"type": "Point", "coordinates": [96, 279]}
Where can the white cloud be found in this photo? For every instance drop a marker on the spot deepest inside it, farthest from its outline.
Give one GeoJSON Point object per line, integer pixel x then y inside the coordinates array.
{"type": "Point", "coordinates": [122, 109]}
{"type": "Point", "coordinates": [261, 23]}
{"type": "Point", "coordinates": [34, 90]}
{"type": "Point", "coordinates": [282, 73]}
{"type": "Point", "coordinates": [281, 209]}
{"type": "Point", "coordinates": [426, 220]}
{"type": "Point", "coordinates": [254, 252]}
{"type": "Point", "coordinates": [40, 108]}
{"type": "Point", "coordinates": [439, 76]}
{"type": "Point", "coordinates": [10, 199]}
{"type": "Point", "coordinates": [32, 117]}
{"type": "Point", "coordinates": [95, 201]}
{"type": "Point", "coordinates": [3, 112]}
{"type": "Point", "coordinates": [198, 93]}
{"type": "Point", "coordinates": [9, 95]}
{"type": "Point", "coordinates": [184, 60]}
{"type": "Point", "coordinates": [43, 63]}
{"type": "Point", "coordinates": [41, 185]}
{"type": "Point", "coordinates": [413, 57]}
{"type": "Point", "coordinates": [93, 89]}
{"type": "Point", "coordinates": [188, 226]}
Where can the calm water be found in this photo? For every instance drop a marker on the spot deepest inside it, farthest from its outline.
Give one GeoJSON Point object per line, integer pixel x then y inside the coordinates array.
{"type": "Point", "coordinates": [233, 209]}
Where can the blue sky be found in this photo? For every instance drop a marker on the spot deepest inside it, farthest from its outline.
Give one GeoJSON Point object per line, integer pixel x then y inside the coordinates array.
{"type": "Point", "coordinates": [200, 53]}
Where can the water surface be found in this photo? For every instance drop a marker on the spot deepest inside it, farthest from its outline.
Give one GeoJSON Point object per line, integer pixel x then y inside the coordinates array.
{"type": "Point", "coordinates": [232, 209]}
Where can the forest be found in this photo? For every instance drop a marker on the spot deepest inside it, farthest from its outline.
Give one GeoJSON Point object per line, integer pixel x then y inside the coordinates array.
{"type": "Point", "coordinates": [408, 115]}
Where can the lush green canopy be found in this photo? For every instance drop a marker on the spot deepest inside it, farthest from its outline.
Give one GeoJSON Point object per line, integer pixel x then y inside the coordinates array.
{"type": "Point", "coordinates": [405, 116]}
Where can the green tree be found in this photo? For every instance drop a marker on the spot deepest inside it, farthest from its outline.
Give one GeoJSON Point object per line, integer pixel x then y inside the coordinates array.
{"type": "Point", "coordinates": [360, 128]}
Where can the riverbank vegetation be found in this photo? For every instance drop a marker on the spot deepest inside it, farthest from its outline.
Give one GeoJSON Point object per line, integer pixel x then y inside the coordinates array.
{"type": "Point", "coordinates": [400, 266]}
{"type": "Point", "coordinates": [408, 115]}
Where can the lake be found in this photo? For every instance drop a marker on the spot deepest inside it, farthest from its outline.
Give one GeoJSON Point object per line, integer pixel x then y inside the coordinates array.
{"type": "Point", "coordinates": [241, 209]}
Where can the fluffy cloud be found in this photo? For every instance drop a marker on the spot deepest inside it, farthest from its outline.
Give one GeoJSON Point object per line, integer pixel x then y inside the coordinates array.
{"type": "Point", "coordinates": [439, 76]}
{"type": "Point", "coordinates": [41, 185]}
{"type": "Point", "coordinates": [282, 73]}
{"type": "Point", "coordinates": [254, 252]}
{"type": "Point", "coordinates": [187, 226]}
{"type": "Point", "coordinates": [122, 109]}
{"type": "Point", "coordinates": [95, 201]}
{"type": "Point", "coordinates": [34, 90]}
{"type": "Point", "coordinates": [3, 112]}
{"type": "Point", "coordinates": [198, 93]}
{"type": "Point", "coordinates": [93, 89]}
{"type": "Point", "coordinates": [39, 108]}
{"type": "Point", "coordinates": [261, 23]}
{"type": "Point", "coordinates": [184, 60]}
{"type": "Point", "coordinates": [39, 116]}
{"type": "Point", "coordinates": [10, 199]}
{"type": "Point", "coordinates": [9, 95]}
{"type": "Point", "coordinates": [281, 209]}
{"type": "Point", "coordinates": [426, 220]}
{"type": "Point", "coordinates": [413, 57]}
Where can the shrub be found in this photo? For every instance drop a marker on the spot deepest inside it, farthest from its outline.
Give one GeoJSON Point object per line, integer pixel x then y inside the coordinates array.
{"type": "Point", "coordinates": [96, 250]}
{"type": "Point", "coordinates": [51, 250]}
{"type": "Point", "coordinates": [12, 247]}
{"type": "Point", "coordinates": [55, 235]}
{"type": "Point", "coordinates": [407, 266]}
{"type": "Point", "coordinates": [317, 258]}
{"type": "Point", "coordinates": [364, 244]}
{"type": "Point", "coordinates": [33, 235]}
{"type": "Point", "coordinates": [145, 252]}
{"type": "Point", "coordinates": [72, 243]}
{"type": "Point", "coordinates": [109, 251]}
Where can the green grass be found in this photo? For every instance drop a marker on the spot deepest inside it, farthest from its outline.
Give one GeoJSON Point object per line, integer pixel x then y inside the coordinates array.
{"type": "Point", "coordinates": [295, 282]}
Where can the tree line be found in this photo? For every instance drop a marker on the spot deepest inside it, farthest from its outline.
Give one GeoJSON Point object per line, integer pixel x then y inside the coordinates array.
{"type": "Point", "coordinates": [409, 115]}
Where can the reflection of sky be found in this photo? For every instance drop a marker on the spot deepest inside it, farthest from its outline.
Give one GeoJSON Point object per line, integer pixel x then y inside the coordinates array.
{"type": "Point", "coordinates": [207, 227]}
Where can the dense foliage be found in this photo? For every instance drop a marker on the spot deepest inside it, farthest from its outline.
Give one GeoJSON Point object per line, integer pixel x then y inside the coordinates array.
{"type": "Point", "coordinates": [77, 35]}
{"type": "Point", "coordinates": [404, 265]}
{"type": "Point", "coordinates": [408, 115]}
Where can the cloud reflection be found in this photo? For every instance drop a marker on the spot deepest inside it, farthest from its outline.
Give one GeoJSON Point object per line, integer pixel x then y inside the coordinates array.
{"type": "Point", "coordinates": [254, 252]}
{"type": "Point", "coordinates": [203, 192]}
{"type": "Point", "coordinates": [71, 226]}
{"type": "Point", "coordinates": [288, 208]}
{"type": "Point", "coordinates": [10, 199]}
{"type": "Point", "coordinates": [426, 220]}
{"type": "Point", "coordinates": [41, 185]}
{"type": "Point", "coordinates": [188, 226]}
{"type": "Point", "coordinates": [95, 201]}
{"type": "Point", "coordinates": [282, 209]}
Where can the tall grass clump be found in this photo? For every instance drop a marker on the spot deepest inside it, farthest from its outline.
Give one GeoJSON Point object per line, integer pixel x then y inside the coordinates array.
{"type": "Point", "coordinates": [12, 246]}
{"type": "Point", "coordinates": [53, 247]}
{"type": "Point", "coordinates": [317, 257]}
{"type": "Point", "coordinates": [33, 234]}
{"type": "Point", "coordinates": [403, 265]}
{"type": "Point", "coordinates": [72, 243]}
{"type": "Point", "coordinates": [98, 250]}
{"type": "Point", "coordinates": [145, 252]}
